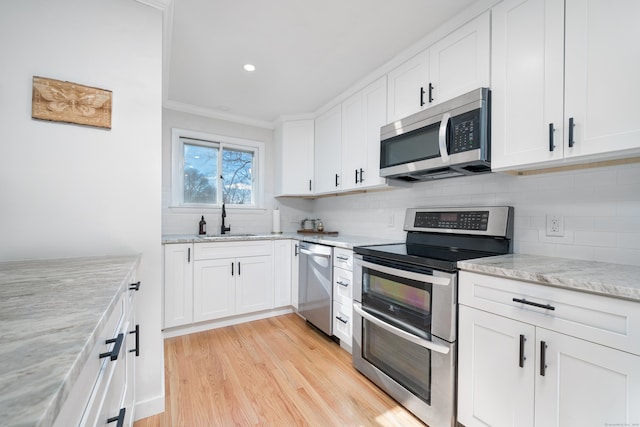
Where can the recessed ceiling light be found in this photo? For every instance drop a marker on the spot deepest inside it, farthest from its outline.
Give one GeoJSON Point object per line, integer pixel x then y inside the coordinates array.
{"type": "Point", "coordinates": [249, 67]}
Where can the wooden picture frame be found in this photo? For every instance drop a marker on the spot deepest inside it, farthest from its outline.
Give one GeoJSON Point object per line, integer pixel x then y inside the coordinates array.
{"type": "Point", "coordinates": [58, 101]}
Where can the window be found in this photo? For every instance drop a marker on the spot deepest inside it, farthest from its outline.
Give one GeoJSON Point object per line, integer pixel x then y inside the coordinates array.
{"type": "Point", "coordinates": [209, 170]}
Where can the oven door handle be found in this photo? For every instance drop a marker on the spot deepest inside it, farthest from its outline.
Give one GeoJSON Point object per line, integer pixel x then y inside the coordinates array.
{"type": "Point", "coordinates": [442, 281]}
{"type": "Point", "coordinates": [399, 332]}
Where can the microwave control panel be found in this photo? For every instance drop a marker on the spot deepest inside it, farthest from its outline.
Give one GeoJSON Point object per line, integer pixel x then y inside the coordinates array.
{"type": "Point", "coordinates": [466, 132]}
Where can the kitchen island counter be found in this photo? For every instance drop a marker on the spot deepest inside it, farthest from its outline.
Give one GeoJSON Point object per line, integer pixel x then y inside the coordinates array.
{"type": "Point", "coordinates": [613, 280]}
{"type": "Point", "coordinates": [52, 312]}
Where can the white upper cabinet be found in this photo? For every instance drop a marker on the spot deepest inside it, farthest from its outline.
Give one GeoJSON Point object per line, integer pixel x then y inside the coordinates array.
{"type": "Point", "coordinates": [602, 65]}
{"type": "Point", "coordinates": [454, 65]}
{"type": "Point", "coordinates": [408, 87]}
{"type": "Point", "coordinates": [461, 61]}
{"type": "Point", "coordinates": [297, 157]}
{"type": "Point", "coordinates": [362, 116]}
{"type": "Point", "coordinates": [547, 75]}
{"type": "Point", "coordinates": [328, 146]}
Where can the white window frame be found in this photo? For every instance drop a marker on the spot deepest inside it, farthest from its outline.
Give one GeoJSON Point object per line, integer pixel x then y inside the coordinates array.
{"type": "Point", "coordinates": [222, 142]}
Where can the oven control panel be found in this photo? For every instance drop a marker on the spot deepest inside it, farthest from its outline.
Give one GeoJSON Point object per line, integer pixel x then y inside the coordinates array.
{"type": "Point", "coordinates": [494, 221]}
{"type": "Point", "coordinates": [470, 220]}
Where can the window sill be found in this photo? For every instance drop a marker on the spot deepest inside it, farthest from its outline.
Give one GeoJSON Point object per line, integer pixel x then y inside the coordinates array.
{"type": "Point", "coordinates": [207, 208]}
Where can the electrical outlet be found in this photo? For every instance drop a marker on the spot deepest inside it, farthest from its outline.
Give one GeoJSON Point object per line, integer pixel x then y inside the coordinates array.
{"type": "Point", "coordinates": [555, 225]}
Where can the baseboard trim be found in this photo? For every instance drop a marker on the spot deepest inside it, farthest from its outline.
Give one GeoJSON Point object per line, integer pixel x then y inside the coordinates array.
{"type": "Point", "coordinates": [227, 321]}
{"type": "Point", "coordinates": [149, 407]}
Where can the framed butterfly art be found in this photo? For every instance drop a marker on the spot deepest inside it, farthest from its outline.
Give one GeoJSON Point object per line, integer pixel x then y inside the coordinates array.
{"type": "Point", "coordinates": [59, 101]}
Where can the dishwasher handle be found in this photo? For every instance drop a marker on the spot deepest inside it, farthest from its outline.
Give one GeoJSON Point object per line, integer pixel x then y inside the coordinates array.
{"type": "Point", "coordinates": [307, 252]}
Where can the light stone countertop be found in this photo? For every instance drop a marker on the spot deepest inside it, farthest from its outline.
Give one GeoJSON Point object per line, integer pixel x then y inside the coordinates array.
{"type": "Point", "coordinates": [614, 280]}
{"type": "Point", "coordinates": [340, 241]}
{"type": "Point", "coordinates": [51, 313]}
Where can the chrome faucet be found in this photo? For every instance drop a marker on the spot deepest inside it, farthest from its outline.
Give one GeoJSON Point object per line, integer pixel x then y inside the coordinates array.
{"type": "Point", "coordinates": [224, 229]}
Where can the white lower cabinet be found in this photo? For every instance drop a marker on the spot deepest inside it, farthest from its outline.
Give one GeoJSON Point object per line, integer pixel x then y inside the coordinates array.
{"type": "Point", "coordinates": [225, 286]}
{"type": "Point", "coordinates": [104, 393]}
{"type": "Point", "coordinates": [514, 369]}
{"type": "Point", "coordinates": [343, 296]}
{"type": "Point", "coordinates": [214, 280]}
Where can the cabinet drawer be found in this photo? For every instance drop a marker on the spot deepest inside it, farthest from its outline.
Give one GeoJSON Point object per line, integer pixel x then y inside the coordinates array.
{"type": "Point", "coordinates": [81, 394]}
{"type": "Point", "coordinates": [343, 258]}
{"type": "Point", "coordinates": [213, 250]}
{"type": "Point", "coordinates": [342, 286]}
{"type": "Point", "coordinates": [342, 321]}
{"type": "Point", "coordinates": [603, 320]}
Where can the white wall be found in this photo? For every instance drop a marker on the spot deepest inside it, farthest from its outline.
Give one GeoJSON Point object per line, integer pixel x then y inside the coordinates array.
{"type": "Point", "coordinates": [70, 190]}
{"type": "Point", "coordinates": [185, 220]}
{"type": "Point", "coordinates": [601, 210]}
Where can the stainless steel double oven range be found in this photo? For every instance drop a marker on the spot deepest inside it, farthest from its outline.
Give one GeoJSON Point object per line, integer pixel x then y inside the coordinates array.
{"type": "Point", "coordinates": [405, 304]}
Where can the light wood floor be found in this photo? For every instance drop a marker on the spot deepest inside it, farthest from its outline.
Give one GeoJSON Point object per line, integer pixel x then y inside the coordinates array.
{"type": "Point", "coordinates": [272, 372]}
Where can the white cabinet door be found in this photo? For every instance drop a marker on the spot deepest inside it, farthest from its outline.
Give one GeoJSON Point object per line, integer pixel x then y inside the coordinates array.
{"type": "Point", "coordinates": [408, 87]}
{"type": "Point", "coordinates": [254, 284]}
{"type": "Point", "coordinates": [602, 64]}
{"type": "Point", "coordinates": [297, 157]}
{"type": "Point", "coordinates": [178, 284]}
{"type": "Point", "coordinates": [295, 259]}
{"type": "Point", "coordinates": [374, 104]}
{"type": "Point", "coordinates": [282, 262]}
{"type": "Point", "coordinates": [214, 289]}
{"type": "Point", "coordinates": [585, 384]}
{"type": "Point", "coordinates": [460, 62]}
{"type": "Point", "coordinates": [342, 286]}
{"type": "Point", "coordinates": [342, 322]}
{"type": "Point", "coordinates": [362, 116]}
{"type": "Point", "coordinates": [527, 82]}
{"type": "Point", "coordinates": [354, 154]}
{"type": "Point", "coordinates": [493, 390]}
{"type": "Point", "coordinates": [328, 146]}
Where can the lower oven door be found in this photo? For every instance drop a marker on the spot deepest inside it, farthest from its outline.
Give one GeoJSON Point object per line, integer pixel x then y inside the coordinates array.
{"type": "Point", "coordinates": [418, 373]}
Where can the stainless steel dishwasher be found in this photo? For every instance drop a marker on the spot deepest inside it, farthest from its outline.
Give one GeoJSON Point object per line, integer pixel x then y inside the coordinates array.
{"type": "Point", "coordinates": [316, 285]}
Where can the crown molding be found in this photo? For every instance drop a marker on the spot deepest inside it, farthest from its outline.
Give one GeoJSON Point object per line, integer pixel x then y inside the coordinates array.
{"type": "Point", "coordinates": [157, 4]}
{"type": "Point", "coordinates": [214, 114]}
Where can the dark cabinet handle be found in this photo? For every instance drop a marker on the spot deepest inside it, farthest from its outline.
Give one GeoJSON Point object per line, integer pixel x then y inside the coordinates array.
{"type": "Point", "coordinates": [430, 93]}
{"type": "Point", "coordinates": [188, 254]}
{"type": "Point", "coordinates": [356, 176]}
{"type": "Point", "coordinates": [309, 185]}
{"type": "Point", "coordinates": [134, 286]}
{"type": "Point", "coordinates": [422, 96]}
{"type": "Point", "coordinates": [337, 176]}
{"type": "Point", "coordinates": [535, 304]}
{"type": "Point", "coordinates": [295, 251]}
{"type": "Point", "coordinates": [571, 126]}
{"type": "Point", "coordinates": [232, 265]}
{"type": "Point", "coordinates": [341, 319]}
{"type": "Point", "coordinates": [238, 268]}
{"type": "Point", "coordinates": [137, 349]}
{"type": "Point", "coordinates": [551, 144]}
{"type": "Point", "coordinates": [346, 285]}
{"type": "Point", "coordinates": [522, 358]}
{"type": "Point", "coordinates": [343, 258]}
{"type": "Point", "coordinates": [119, 418]}
{"type": "Point", "coordinates": [113, 354]}
{"type": "Point", "coordinates": [361, 175]}
{"type": "Point", "coordinates": [543, 358]}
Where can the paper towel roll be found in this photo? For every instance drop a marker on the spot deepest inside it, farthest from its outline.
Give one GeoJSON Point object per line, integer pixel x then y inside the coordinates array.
{"type": "Point", "coordinates": [276, 221]}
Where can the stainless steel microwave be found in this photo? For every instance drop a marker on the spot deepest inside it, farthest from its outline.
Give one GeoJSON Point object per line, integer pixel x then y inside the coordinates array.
{"type": "Point", "coordinates": [447, 140]}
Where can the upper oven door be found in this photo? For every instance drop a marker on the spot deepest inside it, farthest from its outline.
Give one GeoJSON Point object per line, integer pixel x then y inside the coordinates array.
{"type": "Point", "coordinates": [418, 300]}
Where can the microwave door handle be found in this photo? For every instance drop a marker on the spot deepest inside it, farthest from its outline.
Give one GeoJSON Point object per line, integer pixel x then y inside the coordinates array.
{"type": "Point", "coordinates": [442, 137]}
{"type": "Point", "coordinates": [442, 281]}
{"type": "Point", "coordinates": [399, 332]}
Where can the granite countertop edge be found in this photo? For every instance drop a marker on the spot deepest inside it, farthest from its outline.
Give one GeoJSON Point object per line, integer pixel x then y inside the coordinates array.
{"type": "Point", "coordinates": [340, 241]}
{"type": "Point", "coordinates": [607, 279]}
{"type": "Point", "coordinates": [51, 400]}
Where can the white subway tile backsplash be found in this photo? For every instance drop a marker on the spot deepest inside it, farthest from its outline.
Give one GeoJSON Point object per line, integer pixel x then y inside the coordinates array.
{"type": "Point", "coordinates": [600, 207]}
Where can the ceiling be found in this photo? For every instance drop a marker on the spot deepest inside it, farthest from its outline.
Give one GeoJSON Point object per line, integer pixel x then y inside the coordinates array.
{"type": "Point", "coordinates": [305, 52]}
